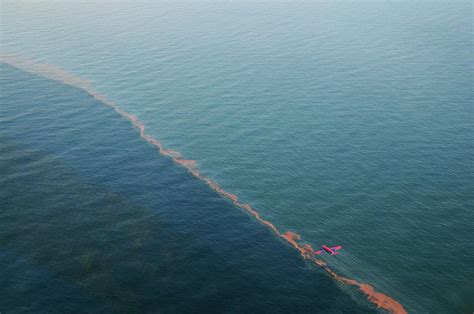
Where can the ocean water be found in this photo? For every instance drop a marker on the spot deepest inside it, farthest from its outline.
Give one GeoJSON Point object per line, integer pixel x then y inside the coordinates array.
{"type": "Point", "coordinates": [88, 229]}
{"type": "Point", "coordinates": [348, 123]}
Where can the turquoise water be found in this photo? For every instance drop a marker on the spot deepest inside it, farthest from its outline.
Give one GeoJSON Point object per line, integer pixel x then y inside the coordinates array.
{"type": "Point", "coordinates": [348, 123]}
{"type": "Point", "coordinates": [95, 220]}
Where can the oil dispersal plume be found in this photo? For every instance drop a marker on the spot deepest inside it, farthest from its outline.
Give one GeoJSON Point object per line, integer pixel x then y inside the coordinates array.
{"type": "Point", "coordinates": [381, 300]}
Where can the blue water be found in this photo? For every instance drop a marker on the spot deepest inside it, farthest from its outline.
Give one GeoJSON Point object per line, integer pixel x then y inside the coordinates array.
{"type": "Point", "coordinates": [94, 219]}
{"type": "Point", "coordinates": [348, 123]}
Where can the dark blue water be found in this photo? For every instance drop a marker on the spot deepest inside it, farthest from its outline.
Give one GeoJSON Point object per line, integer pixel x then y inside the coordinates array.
{"type": "Point", "coordinates": [346, 122]}
{"type": "Point", "coordinates": [94, 219]}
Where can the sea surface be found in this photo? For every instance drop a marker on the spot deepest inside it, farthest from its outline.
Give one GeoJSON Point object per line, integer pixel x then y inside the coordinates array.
{"type": "Point", "coordinates": [346, 123]}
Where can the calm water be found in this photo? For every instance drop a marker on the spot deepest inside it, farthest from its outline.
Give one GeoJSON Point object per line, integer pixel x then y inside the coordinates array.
{"type": "Point", "coordinates": [348, 123]}
{"type": "Point", "coordinates": [94, 219]}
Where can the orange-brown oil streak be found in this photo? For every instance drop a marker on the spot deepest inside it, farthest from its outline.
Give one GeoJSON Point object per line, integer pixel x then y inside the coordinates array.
{"type": "Point", "coordinates": [381, 300]}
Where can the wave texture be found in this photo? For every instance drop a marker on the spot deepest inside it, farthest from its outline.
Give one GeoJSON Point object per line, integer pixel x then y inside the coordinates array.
{"type": "Point", "coordinates": [379, 299]}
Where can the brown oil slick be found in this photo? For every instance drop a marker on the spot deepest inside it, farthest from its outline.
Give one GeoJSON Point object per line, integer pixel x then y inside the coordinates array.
{"type": "Point", "coordinates": [379, 299]}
